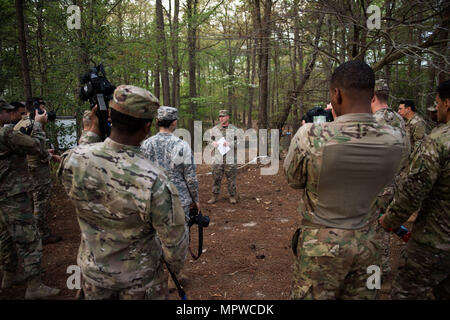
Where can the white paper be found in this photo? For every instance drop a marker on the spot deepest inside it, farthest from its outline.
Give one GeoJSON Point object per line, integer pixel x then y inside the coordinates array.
{"type": "Point", "coordinates": [221, 146]}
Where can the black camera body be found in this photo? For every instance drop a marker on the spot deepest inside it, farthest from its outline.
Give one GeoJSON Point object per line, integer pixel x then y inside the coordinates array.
{"type": "Point", "coordinates": [317, 112]}
{"type": "Point", "coordinates": [51, 115]}
{"type": "Point", "coordinates": [96, 89]}
{"type": "Point", "coordinates": [196, 217]}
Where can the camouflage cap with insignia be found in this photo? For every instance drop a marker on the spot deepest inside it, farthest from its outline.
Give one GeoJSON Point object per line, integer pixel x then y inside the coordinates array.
{"type": "Point", "coordinates": [381, 85]}
{"type": "Point", "coordinates": [5, 105]}
{"type": "Point", "coordinates": [223, 113]}
{"type": "Point", "coordinates": [134, 102]}
{"type": "Point", "coordinates": [167, 113]}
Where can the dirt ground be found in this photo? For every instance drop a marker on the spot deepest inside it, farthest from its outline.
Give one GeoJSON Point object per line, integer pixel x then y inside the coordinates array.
{"type": "Point", "coordinates": [247, 253]}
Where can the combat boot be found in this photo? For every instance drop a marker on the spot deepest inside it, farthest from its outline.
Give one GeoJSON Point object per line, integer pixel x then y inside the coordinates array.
{"type": "Point", "coordinates": [213, 199]}
{"type": "Point", "coordinates": [11, 279]}
{"type": "Point", "coordinates": [37, 290]}
{"type": "Point", "coordinates": [233, 200]}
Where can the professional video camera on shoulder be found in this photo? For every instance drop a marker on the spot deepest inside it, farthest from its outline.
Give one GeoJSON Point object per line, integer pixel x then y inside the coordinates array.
{"type": "Point", "coordinates": [37, 102]}
{"type": "Point", "coordinates": [96, 89]}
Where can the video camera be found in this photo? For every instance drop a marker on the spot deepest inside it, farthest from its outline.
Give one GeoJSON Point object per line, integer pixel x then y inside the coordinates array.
{"type": "Point", "coordinates": [98, 90]}
{"type": "Point", "coordinates": [51, 115]}
{"type": "Point", "coordinates": [318, 115]}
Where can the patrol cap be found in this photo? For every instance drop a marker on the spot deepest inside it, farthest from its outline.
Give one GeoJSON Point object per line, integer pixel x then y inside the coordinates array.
{"type": "Point", "coordinates": [4, 105]}
{"type": "Point", "coordinates": [134, 102]}
{"type": "Point", "coordinates": [167, 113]}
{"type": "Point", "coordinates": [381, 85]}
{"type": "Point", "coordinates": [223, 113]}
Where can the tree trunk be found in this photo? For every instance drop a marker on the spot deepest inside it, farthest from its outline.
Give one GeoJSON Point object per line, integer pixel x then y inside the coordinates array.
{"type": "Point", "coordinates": [176, 63]}
{"type": "Point", "coordinates": [162, 53]}
{"type": "Point", "coordinates": [306, 74]}
{"type": "Point", "coordinates": [23, 52]}
{"type": "Point", "coordinates": [191, 7]}
{"type": "Point", "coordinates": [263, 55]}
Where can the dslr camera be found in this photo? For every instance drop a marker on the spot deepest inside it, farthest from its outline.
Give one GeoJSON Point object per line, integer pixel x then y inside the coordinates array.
{"type": "Point", "coordinates": [196, 217]}
{"type": "Point", "coordinates": [96, 89]}
{"type": "Point", "coordinates": [37, 102]}
{"type": "Point", "coordinates": [318, 115]}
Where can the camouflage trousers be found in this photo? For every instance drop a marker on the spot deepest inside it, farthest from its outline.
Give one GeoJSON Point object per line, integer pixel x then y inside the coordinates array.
{"type": "Point", "coordinates": [19, 237]}
{"type": "Point", "coordinates": [41, 207]}
{"type": "Point", "coordinates": [42, 185]}
{"type": "Point", "coordinates": [332, 263]}
{"type": "Point", "coordinates": [383, 201]}
{"type": "Point", "coordinates": [230, 171]}
{"type": "Point", "coordinates": [386, 249]}
{"type": "Point", "coordinates": [155, 290]}
{"type": "Point", "coordinates": [422, 269]}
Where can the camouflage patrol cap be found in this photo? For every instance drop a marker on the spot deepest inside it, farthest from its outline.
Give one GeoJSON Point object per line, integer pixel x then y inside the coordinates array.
{"type": "Point", "coordinates": [381, 85]}
{"type": "Point", "coordinates": [5, 105]}
{"type": "Point", "coordinates": [167, 113]}
{"type": "Point", "coordinates": [134, 102]}
{"type": "Point", "coordinates": [223, 113]}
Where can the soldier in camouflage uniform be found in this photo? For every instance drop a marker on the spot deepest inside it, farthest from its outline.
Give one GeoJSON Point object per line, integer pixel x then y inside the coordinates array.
{"type": "Point", "coordinates": [175, 157]}
{"type": "Point", "coordinates": [221, 164]}
{"type": "Point", "coordinates": [415, 125]}
{"type": "Point", "coordinates": [386, 116]}
{"type": "Point", "coordinates": [342, 167]}
{"type": "Point", "coordinates": [129, 213]}
{"type": "Point", "coordinates": [39, 168]}
{"type": "Point", "coordinates": [425, 261]}
{"type": "Point", "coordinates": [18, 234]}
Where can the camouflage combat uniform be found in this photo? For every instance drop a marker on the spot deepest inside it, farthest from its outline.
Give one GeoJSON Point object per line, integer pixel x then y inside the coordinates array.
{"type": "Point", "coordinates": [387, 116]}
{"type": "Point", "coordinates": [39, 169]}
{"type": "Point", "coordinates": [342, 167]}
{"type": "Point", "coordinates": [416, 129]}
{"type": "Point", "coordinates": [220, 164]}
{"type": "Point", "coordinates": [129, 213]}
{"type": "Point", "coordinates": [88, 137]}
{"type": "Point", "coordinates": [174, 156]}
{"type": "Point", "coordinates": [425, 261]}
{"type": "Point", "coordinates": [19, 236]}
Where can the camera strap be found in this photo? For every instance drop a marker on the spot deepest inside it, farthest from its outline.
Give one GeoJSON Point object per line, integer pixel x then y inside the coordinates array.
{"type": "Point", "coordinates": [200, 243]}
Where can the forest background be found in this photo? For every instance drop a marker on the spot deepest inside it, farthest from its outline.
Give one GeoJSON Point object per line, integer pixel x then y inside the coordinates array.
{"type": "Point", "coordinates": [266, 61]}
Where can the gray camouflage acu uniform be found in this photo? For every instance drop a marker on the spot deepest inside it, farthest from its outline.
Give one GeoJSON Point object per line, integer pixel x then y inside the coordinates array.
{"type": "Point", "coordinates": [425, 261]}
{"type": "Point", "coordinates": [39, 168]}
{"type": "Point", "coordinates": [19, 236]}
{"type": "Point", "coordinates": [342, 167]}
{"type": "Point", "coordinates": [129, 213]}
{"type": "Point", "coordinates": [174, 156]}
{"type": "Point", "coordinates": [220, 164]}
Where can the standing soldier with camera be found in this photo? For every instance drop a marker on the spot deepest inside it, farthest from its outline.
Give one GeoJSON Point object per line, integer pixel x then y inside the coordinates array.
{"type": "Point", "coordinates": [39, 169]}
{"type": "Point", "coordinates": [341, 166]}
{"type": "Point", "coordinates": [175, 157]}
{"type": "Point", "coordinates": [18, 234]}
{"type": "Point", "coordinates": [129, 213]}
